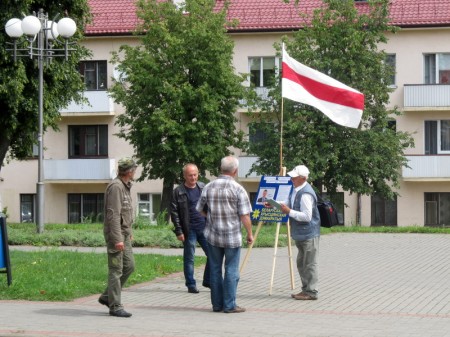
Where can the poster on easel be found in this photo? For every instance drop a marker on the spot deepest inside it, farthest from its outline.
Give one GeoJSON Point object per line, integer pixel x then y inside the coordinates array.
{"type": "Point", "coordinates": [272, 191]}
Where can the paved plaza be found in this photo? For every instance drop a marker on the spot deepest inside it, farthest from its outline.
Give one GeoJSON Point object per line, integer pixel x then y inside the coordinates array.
{"type": "Point", "coordinates": [383, 285]}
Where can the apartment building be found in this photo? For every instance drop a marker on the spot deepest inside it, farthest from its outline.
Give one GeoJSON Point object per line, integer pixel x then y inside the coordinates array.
{"type": "Point", "coordinates": [81, 158]}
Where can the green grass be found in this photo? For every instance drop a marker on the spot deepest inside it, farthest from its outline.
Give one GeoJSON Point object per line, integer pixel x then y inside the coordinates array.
{"type": "Point", "coordinates": [91, 235]}
{"type": "Point", "coordinates": [386, 229]}
{"type": "Point", "coordinates": [53, 275]}
{"type": "Point", "coordinates": [87, 235]}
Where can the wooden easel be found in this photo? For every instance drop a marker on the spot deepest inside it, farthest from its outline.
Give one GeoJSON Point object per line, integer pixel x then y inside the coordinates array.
{"type": "Point", "coordinates": [291, 270]}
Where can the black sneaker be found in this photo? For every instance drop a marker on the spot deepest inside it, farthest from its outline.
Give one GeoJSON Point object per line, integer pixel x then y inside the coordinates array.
{"type": "Point", "coordinates": [120, 313]}
{"type": "Point", "coordinates": [193, 290]}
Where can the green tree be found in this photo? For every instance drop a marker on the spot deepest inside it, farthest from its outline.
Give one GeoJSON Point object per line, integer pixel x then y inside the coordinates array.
{"type": "Point", "coordinates": [345, 45]}
{"type": "Point", "coordinates": [19, 80]}
{"type": "Point", "coordinates": [179, 90]}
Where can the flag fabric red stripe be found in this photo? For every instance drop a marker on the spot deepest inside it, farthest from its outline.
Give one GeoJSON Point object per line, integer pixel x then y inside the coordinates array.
{"type": "Point", "coordinates": [342, 104]}
{"type": "Point", "coordinates": [323, 91]}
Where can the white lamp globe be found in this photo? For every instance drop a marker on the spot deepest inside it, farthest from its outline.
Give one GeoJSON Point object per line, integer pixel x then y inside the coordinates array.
{"type": "Point", "coordinates": [66, 27]}
{"type": "Point", "coordinates": [52, 30]}
{"type": "Point", "coordinates": [14, 28]}
{"type": "Point", "coordinates": [31, 25]}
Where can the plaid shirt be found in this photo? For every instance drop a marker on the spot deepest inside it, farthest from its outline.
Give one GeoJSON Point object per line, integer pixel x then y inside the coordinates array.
{"type": "Point", "coordinates": [226, 201]}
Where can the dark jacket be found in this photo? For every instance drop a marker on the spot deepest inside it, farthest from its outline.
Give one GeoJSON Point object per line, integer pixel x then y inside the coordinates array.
{"type": "Point", "coordinates": [179, 209]}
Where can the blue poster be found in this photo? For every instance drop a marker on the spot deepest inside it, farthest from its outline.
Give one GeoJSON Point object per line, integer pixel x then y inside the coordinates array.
{"type": "Point", "coordinates": [271, 188]}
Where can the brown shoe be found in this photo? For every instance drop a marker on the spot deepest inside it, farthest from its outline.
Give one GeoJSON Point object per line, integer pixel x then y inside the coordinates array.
{"type": "Point", "coordinates": [236, 310]}
{"type": "Point", "coordinates": [305, 297]}
{"type": "Point", "coordinates": [300, 293]}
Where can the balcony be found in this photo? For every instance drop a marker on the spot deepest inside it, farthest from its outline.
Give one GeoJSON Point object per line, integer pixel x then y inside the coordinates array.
{"type": "Point", "coordinates": [99, 103]}
{"type": "Point", "coordinates": [431, 96]}
{"type": "Point", "coordinates": [427, 168]}
{"type": "Point", "coordinates": [76, 170]}
{"type": "Point", "coordinates": [245, 164]}
{"type": "Point", "coordinates": [261, 92]}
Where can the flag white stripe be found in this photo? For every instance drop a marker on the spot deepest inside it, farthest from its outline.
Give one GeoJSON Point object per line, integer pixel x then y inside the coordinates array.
{"type": "Point", "coordinates": [334, 106]}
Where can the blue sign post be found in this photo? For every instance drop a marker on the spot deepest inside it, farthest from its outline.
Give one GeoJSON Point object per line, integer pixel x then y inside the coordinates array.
{"type": "Point", "coordinates": [4, 250]}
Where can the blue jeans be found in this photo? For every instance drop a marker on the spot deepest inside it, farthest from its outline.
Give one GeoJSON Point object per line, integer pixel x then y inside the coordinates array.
{"type": "Point", "coordinates": [190, 243]}
{"type": "Point", "coordinates": [223, 289]}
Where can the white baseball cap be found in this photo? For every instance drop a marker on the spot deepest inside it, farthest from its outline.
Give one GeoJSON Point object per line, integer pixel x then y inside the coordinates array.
{"type": "Point", "coordinates": [300, 170]}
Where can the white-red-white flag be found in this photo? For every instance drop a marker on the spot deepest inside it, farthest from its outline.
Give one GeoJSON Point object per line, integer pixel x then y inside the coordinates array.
{"type": "Point", "coordinates": [342, 104]}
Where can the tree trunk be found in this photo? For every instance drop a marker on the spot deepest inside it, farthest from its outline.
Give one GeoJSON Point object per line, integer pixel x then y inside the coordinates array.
{"type": "Point", "coordinates": [166, 197]}
{"type": "Point", "coordinates": [4, 146]}
{"type": "Point", "coordinates": [358, 210]}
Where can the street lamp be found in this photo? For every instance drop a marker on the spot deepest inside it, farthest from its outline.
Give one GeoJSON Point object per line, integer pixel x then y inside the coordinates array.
{"type": "Point", "coordinates": [41, 37]}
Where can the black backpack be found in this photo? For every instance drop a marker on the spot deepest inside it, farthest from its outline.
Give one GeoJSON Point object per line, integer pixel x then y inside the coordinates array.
{"type": "Point", "coordinates": [328, 213]}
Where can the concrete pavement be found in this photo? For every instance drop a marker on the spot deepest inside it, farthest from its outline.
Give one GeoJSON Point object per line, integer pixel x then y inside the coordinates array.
{"type": "Point", "coordinates": [377, 285]}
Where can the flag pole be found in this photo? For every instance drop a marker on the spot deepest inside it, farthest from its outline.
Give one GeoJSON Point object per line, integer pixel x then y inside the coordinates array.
{"type": "Point", "coordinates": [282, 173]}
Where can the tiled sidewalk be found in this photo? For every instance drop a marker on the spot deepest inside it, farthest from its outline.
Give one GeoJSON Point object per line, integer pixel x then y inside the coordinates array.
{"type": "Point", "coordinates": [370, 285]}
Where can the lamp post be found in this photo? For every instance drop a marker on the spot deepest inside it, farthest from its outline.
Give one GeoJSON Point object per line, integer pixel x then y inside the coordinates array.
{"type": "Point", "coordinates": [41, 37]}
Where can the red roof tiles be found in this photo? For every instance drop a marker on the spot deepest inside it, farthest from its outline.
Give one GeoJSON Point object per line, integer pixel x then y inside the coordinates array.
{"type": "Point", "coordinates": [118, 17]}
{"type": "Point", "coordinates": [112, 17]}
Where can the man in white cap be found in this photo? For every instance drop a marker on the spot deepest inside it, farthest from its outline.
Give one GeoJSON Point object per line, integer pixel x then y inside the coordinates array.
{"type": "Point", "coordinates": [305, 230]}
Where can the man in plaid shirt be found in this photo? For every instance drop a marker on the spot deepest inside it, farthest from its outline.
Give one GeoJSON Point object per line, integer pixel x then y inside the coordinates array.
{"type": "Point", "coordinates": [226, 206]}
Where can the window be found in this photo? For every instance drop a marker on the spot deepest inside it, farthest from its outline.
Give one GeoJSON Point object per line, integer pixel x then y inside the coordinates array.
{"type": "Point", "coordinates": [85, 208]}
{"type": "Point", "coordinates": [437, 137]}
{"type": "Point", "coordinates": [437, 68]}
{"type": "Point", "coordinates": [149, 205]}
{"type": "Point", "coordinates": [392, 125]}
{"type": "Point", "coordinates": [94, 74]}
{"type": "Point", "coordinates": [383, 211]}
{"type": "Point", "coordinates": [88, 141]}
{"type": "Point", "coordinates": [35, 151]}
{"type": "Point", "coordinates": [263, 70]}
{"type": "Point", "coordinates": [391, 62]}
{"type": "Point", "coordinates": [256, 132]}
{"type": "Point", "coordinates": [338, 201]}
{"type": "Point", "coordinates": [252, 197]}
{"type": "Point", "coordinates": [437, 209]}
{"type": "Point", "coordinates": [27, 207]}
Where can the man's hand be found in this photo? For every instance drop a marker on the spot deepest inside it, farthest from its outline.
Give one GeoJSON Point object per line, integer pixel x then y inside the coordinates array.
{"type": "Point", "coordinates": [285, 209]}
{"type": "Point", "coordinates": [180, 237]}
{"type": "Point", "coordinates": [120, 246]}
{"type": "Point", "coordinates": [249, 238]}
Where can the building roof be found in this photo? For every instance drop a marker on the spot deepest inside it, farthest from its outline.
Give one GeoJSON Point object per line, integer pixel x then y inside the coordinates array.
{"type": "Point", "coordinates": [118, 17]}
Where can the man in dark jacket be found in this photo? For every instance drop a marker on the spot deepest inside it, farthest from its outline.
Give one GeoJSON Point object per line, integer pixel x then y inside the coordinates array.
{"type": "Point", "coordinates": [189, 224]}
